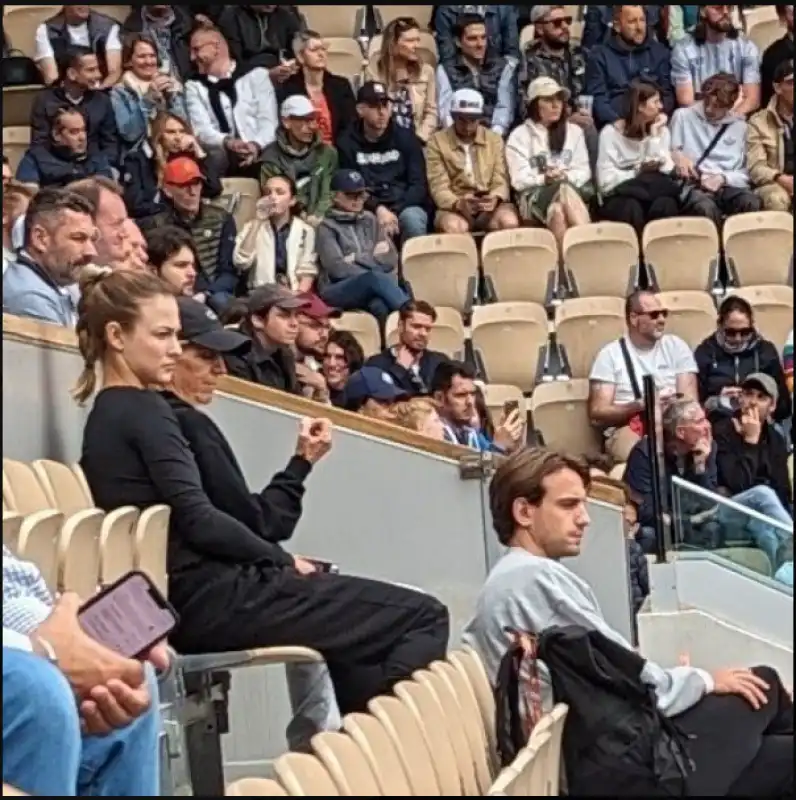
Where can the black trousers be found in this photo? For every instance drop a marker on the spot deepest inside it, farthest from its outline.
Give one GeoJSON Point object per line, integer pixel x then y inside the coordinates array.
{"type": "Point", "coordinates": [637, 213]}
{"type": "Point", "coordinates": [372, 634]}
{"type": "Point", "coordinates": [727, 201]}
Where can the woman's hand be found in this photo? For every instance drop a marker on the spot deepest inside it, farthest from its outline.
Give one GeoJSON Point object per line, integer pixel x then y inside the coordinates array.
{"type": "Point", "coordinates": [741, 682]}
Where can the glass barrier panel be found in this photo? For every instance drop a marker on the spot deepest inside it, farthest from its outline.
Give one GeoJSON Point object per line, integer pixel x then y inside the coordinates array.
{"type": "Point", "coordinates": [751, 530]}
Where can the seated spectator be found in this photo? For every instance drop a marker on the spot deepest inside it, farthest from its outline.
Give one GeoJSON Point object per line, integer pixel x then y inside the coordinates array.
{"type": "Point", "coordinates": [548, 162]}
{"type": "Point", "coordinates": [775, 54]}
{"type": "Point", "coordinates": [143, 166]}
{"type": "Point", "coordinates": [271, 321]}
{"type": "Point", "coordinates": [679, 21]}
{"type": "Point", "coordinates": [110, 217]}
{"type": "Point", "coordinates": [616, 399]}
{"type": "Point", "coordinates": [79, 89]}
{"type": "Point", "coordinates": [411, 84]}
{"type": "Point", "coordinates": [65, 158]}
{"type": "Point", "coordinates": [78, 719]}
{"type": "Point", "coordinates": [420, 415]}
{"type": "Point", "coordinates": [501, 26]}
{"type": "Point", "coordinates": [467, 175]}
{"type": "Point", "coordinates": [390, 159]}
{"type": "Point", "coordinates": [634, 167]}
{"type": "Point", "coordinates": [343, 357]}
{"type": "Point", "coordinates": [173, 257]}
{"type": "Point", "coordinates": [410, 363]}
{"type": "Point", "coordinates": [636, 561]}
{"type": "Point", "coordinates": [139, 255]}
{"type": "Point", "coordinates": [144, 90]}
{"type": "Point", "coordinates": [538, 502]}
{"type": "Point", "coordinates": [787, 360]}
{"type": "Point", "coordinates": [629, 54]}
{"type": "Point", "coordinates": [716, 46]}
{"type": "Point", "coordinates": [454, 392]}
{"type": "Point", "coordinates": [357, 259]}
{"type": "Point", "coordinates": [314, 327]}
{"type": "Point", "coordinates": [770, 142]}
{"type": "Point", "coordinates": [709, 144]}
{"type": "Point", "coordinates": [262, 36]}
{"type": "Point", "coordinates": [598, 23]}
{"type": "Point", "coordinates": [59, 241]}
{"type": "Point", "coordinates": [170, 28]}
{"type": "Point", "coordinates": [331, 95]}
{"type": "Point", "coordinates": [372, 392]}
{"type": "Point", "coordinates": [300, 153]}
{"type": "Point", "coordinates": [371, 634]}
{"type": "Point", "coordinates": [211, 227]}
{"type": "Point", "coordinates": [735, 351]}
{"type": "Point", "coordinates": [232, 108]}
{"type": "Point", "coordinates": [475, 68]}
{"type": "Point", "coordinates": [277, 246]}
{"type": "Point", "coordinates": [551, 54]}
{"type": "Point", "coordinates": [16, 199]}
{"type": "Point", "coordinates": [78, 26]}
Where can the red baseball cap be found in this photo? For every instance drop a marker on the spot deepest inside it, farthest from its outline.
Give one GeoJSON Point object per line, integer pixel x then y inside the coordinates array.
{"type": "Point", "coordinates": [316, 308]}
{"type": "Point", "coordinates": [181, 171]}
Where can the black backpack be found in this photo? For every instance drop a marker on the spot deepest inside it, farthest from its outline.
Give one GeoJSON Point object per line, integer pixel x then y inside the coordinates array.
{"type": "Point", "coordinates": [616, 742]}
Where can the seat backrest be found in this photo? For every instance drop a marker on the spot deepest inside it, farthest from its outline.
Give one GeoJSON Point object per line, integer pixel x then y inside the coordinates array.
{"type": "Point", "coordinates": [61, 486]}
{"type": "Point", "coordinates": [773, 306]}
{"type": "Point", "coordinates": [256, 787]}
{"type": "Point", "coordinates": [38, 543]}
{"type": "Point", "coordinates": [12, 522]}
{"type": "Point", "coordinates": [346, 764]}
{"type": "Point", "coordinates": [600, 256]}
{"type": "Point", "coordinates": [531, 767]}
{"type": "Point", "coordinates": [760, 245]}
{"type": "Point", "coordinates": [520, 263]}
{"type": "Point", "coordinates": [681, 250]}
{"type": "Point", "coordinates": [119, 13]}
{"type": "Point", "coordinates": [552, 725]}
{"type": "Point", "coordinates": [560, 412]}
{"type": "Point", "coordinates": [22, 490]}
{"type": "Point", "coordinates": [78, 553]}
{"type": "Point", "coordinates": [332, 20]}
{"type": "Point", "coordinates": [692, 315]}
{"type": "Point", "coordinates": [447, 335]}
{"type": "Point", "coordinates": [303, 775]}
{"type": "Point", "coordinates": [586, 324]}
{"type": "Point", "coordinates": [247, 191]}
{"type": "Point", "coordinates": [151, 544]}
{"type": "Point", "coordinates": [390, 12]}
{"type": "Point", "coordinates": [117, 544]}
{"type": "Point", "coordinates": [344, 56]}
{"type": "Point", "coordinates": [20, 24]}
{"type": "Point", "coordinates": [374, 741]}
{"type": "Point", "coordinates": [497, 395]}
{"type": "Point", "coordinates": [363, 327]}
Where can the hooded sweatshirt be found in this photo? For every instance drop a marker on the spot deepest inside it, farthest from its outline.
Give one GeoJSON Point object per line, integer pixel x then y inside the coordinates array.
{"type": "Point", "coordinates": [393, 166]}
{"type": "Point", "coordinates": [692, 133]}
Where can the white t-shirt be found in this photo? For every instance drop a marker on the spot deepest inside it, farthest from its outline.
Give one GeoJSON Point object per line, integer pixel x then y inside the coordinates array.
{"type": "Point", "coordinates": [78, 34]}
{"type": "Point", "coordinates": [670, 357]}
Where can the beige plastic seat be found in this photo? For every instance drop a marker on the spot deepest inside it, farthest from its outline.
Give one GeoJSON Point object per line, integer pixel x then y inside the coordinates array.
{"type": "Point", "coordinates": [22, 491]}
{"type": "Point", "coordinates": [618, 472]}
{"type": "Point", "coordinates": [16, 140]}
{"type": "Point", "coordinates": [388, 13]}
{"type": "Point", "coordinates": [584, 325]}
{"type": "Point", "coordinates": [552, 724]}
{"type": "Point", "coordinates": [119, 13]}
{"type": "Point", "coordinates": [61, 485]}
{"type": "Point", "coordinates": [10, 791]}
{"type": "Point", "coordinates": [682, 251]}
{"type": "Point", "coordinates": [760, 245]}
{"type": "Point", "coordinates": [407, 737]}
{"type": "Point", "coordinates": [363, 327]}
{"type": "Point", "coordinates": [83, 481]}
{"type": "Point", "coordinates": [526, 777]}
{"type": "Point", "coordinates": [19, 26]}
{"type": "Point", "coordinates": [79, 554]}
{"type": "Point", "coordinates": [509, 337]}
{"type": "Point", "coordinates": [18, 104]}
{"type": "Point", "coordinates": [763, 26]}
{"type": "Point", "coordinates": [38, 543]}
{"type": "Point", "coordinates": [256, 787]}
{"type": "Point", "coordinates": [346, 764]}
{"type": "Point", "coordinates": [773, 306]}
{"type": "Point", "coordinates": [602, 258]}
{"type": "Point", "coordinates": [12, 522]}
{"type": "Point", "coordinates": [345, 56]}
{"type": "Point", "coordinates": [151, 538]}
{"type": "Point", "coordinates": [427, 50]}
{"type": "Point", "coordinates": [692, 315]}
{"type": "Point", "coordinates": [246, 191]}
{"type": "Point", "coordinates": [117, 544]}
{"type": "Point", "coordinates": [497, 395]}
{"type": "Point", "coordinates": [447, 335]}
{"type": "Point", "coordinates": [304, 775]}
{"type": "Point", "coordinates": [340, 20]}
{"type": "Point", "coordinates": [521, 263]}
{"type": "Point", "coordinates": [560, 412]}
{"type": "Point", "coordinates": [441, 268]}
{"type": "Point", "coordinates": [380, 753]}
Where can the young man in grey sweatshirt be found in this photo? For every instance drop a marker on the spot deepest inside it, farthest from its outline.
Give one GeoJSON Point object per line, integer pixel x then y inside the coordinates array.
{"type": "Point", "coordinates": [709, 152]}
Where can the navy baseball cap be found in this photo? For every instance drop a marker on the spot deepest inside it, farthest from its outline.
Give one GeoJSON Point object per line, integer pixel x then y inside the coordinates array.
{"type": "Point", "coordinates": [371, 383]}
{"type": "Point", "coordinates": [348, 181]}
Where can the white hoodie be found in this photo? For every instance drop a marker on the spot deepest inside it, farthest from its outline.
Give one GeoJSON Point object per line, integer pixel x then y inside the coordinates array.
{"type": "Point", "coordinates": [620, 158]}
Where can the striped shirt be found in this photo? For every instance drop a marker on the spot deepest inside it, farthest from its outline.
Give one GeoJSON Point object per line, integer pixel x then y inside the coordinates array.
{"type": "Point", "coordinates": [27, 601]}
{"type": "Point", "coordinates": [694, 63]}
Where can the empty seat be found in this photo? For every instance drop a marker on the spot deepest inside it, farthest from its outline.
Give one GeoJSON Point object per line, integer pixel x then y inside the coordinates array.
{"type": "Point", "coordinates": [363, 327]}
{"type": "Point", "coordinates": [61, 486]}
{"type": "Point", "coordinates": [497, 395]}
{"type": "Point", "coordinates": [18, 104]}
{"type": "Point", "coordinates": [762, 26]}
{"type": "Point", "coordinates": [20, 24]}
{"type": "Point", "coordinates": [151, 543]}
{"type": "Point", "coordinates": [117, 544]}
{"type": "Point", "coordinates": [521, 263]}
{"type": "Point", "coordinates": [388, 13]}
{"type": "Point", "coordinates": [244, 193]}
{"type": "Point", "coordinates": [447, 335]}
{"type": "Point", "coordinates": [303, 775]}
{"type": "Point", "coordinates": [692, 315]}
{"type": "Point", "coordinates": [773, 306]}
{"type": "Point", "coordinates": [12, 522]}
{"type": "Point", "coordinates": [22, 491]}
{"type": "Point", "coordinates": [760, 245]}
{"type": "Point", "coordinates": [38, 543]}
{"type": "Point", "coordinates": [560, 413]}
{"type": "Point", "coordinates": [342, 20]}
{"type": "Point", "coordinates": [509, 337]}
{"type": "Point", "coordinates": [256, 787]}
{"type": "Point", "coordinates": [602, 259]}
{"type": "Point", "coordinates": [682, 252]}
{"type": "Point", "coordinates": [380, 753]}
{"type": "Point", "coordinates": [441, 268]}
{"type": "Point", "coordinates": [344, 56]}
{"type": "Point", "coordinates": [78, 553]}
{"type": "Point", "coordinates": [584, 325]}
{"type": "Point", "coordinates": [346, 764]}
{"type": "Point", "coordinates": [16, 140]}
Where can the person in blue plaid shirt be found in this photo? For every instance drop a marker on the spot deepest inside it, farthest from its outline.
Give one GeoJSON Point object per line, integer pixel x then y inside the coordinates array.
{"type": "Point", "coordinates": [78, 719]}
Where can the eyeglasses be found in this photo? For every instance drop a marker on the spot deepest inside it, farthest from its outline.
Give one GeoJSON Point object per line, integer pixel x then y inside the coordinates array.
{"type": "Point", "coordinates": [560, 22]}
{"type": "Point", "coordinates": [738, 333]}
{"type": "Point", "coordinates": [662, 313]}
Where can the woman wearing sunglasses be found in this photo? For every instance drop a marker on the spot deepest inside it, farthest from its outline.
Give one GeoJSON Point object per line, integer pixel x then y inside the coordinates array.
{"type": "Point", "coordinates": [735, 351]}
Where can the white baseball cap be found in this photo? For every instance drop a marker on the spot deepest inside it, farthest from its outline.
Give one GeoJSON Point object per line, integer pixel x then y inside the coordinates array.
{"type": "Point", "coordinates": [297, 105]}
{"type": "Point", "coordinates": [468, 103]}
{"type": "Point", "coordinates": [546, 87]}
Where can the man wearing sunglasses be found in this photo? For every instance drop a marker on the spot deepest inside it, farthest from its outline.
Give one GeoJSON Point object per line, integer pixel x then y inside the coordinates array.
{"type": "Point", "coordinates": [616, 400]}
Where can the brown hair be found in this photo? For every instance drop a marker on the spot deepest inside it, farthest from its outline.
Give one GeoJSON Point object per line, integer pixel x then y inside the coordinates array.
{"type": "Point", "coordinates": [522, 474]}
{"type": "Point", "coordinates": [91, 189]}
{"type": "Point", "coordinates": [386, 61]}
{"type": "Point", "coordinates": [723, 87]}
{"type": "Point", "coordinates": [108, 296]}
{"type": "Point", "coordinates": [417, 307]}
{"type": "Point", "coordinates": [62, 113]}
{"type": "Point", "coordinates": [637, 94]}
{"type": "Point", "coordinates": [130, 41]}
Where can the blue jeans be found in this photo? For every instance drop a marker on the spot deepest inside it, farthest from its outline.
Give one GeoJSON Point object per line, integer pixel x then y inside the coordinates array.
{"type": "Point", "coordinates": [44, 752]}
{"type": "Point", "coordinates": [375, 292]}
{"type": "Point", "coordinates": [413, 221]}
{"type": "Point", "coordinates": [313, 702]}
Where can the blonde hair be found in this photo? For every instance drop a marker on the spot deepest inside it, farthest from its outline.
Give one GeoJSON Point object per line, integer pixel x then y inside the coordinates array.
{"type": "Point", "coordinates": [413, 413]}
{"type": "Point", "coordinates": [385, 64]}
{"type": "Point", "coordinates": [108, 296]}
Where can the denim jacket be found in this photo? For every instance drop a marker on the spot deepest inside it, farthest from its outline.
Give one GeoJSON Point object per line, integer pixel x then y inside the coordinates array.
{"type": "Point", "coordinates": [134, 113]}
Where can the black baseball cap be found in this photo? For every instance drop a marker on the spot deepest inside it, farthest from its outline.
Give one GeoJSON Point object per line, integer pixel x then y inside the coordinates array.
{"type": "Point", "coordinates": [373, 93]}
{"type": "Point", "coordinates": [199, 325]}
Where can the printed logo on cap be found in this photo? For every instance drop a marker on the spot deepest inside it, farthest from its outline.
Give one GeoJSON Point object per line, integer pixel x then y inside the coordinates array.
{"type": "Point", "coordinates": [387, 378]}
{"type": "Point", "coordinates": [355, 176]}
{"type": "Point", "coordinates": [211, 315]}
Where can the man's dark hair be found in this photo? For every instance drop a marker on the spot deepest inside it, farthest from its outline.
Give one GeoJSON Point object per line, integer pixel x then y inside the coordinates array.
{"type": "Point", "coordinates": [163, 243]}
{"type": "Point", "coordinates": [463, 22]}
{"type": "Point", "coordinates": [72, 56]}
{"type": "Point", "coordinates": [784, 69]}
{"type": "Point", "coordinates": [417, 307]}
{"type": "Point", "coordinates": [724, 87]}
{"type": "Point", "coordinates": [354, 354]}
{"type": "Point", "coordinates": [781, 10]}
{"type": "Point", "coordinates": [447, 372]}
{"type": "Point", "coordinates": [632, 301]}
{"type": "Point", "coordinates": [734, 303]}
{"type": "Point", "coordinates": [50, 202]}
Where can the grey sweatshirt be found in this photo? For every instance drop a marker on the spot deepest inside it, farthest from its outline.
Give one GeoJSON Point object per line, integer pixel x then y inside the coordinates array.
{"type": "Point", "coordinates": [529, 593]}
